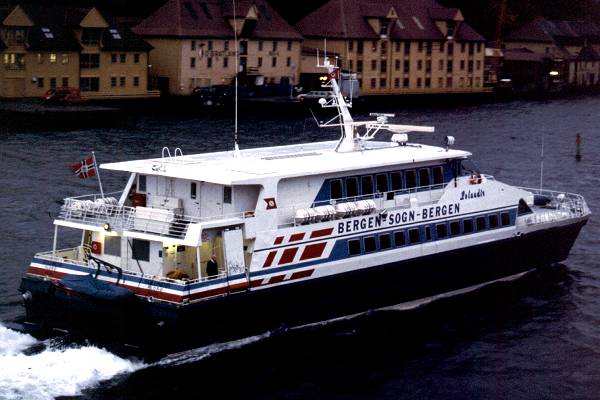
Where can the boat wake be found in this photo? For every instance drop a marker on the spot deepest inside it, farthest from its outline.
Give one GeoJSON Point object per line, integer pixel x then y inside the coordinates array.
{"type": "Point", "coordinates": [40, 370]}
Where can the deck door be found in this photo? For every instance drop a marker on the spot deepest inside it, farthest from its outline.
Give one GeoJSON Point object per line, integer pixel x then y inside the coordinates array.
{"type": "Point", "coordinates": [235, 266]}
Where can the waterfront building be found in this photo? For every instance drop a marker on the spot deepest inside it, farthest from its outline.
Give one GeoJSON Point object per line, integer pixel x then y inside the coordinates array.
{"type": "Point", "coordinates": [396, 46]}
{"type": "Point", "coordinates": [194, 44]}
{"type": "Point", "coordinates": [71, 47]}
{"type": "Point", "coordinates": [569, 49]}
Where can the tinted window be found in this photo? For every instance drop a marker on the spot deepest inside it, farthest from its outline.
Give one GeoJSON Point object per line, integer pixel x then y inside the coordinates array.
{"type": "Point", "coordinates": [353, 247]}
{"type": "Point", "coordinates": [382, 183]}
{"type": "Point", "coordinates": [352, 187]}
{"type": "Point", "coordinates": [227, 194]}
{"type": "Point", "coordinates": [367, 184]}
{"type": "Point", "coordinates": [193, 190]}
{"type": "Point", "coordinates": [505, 218]}
{"type": "Point", "coordinates": [399, 238]}
{"type": "Point", "coordinates": [467, 226]}
{"type": "Point", "coordinates": [427, 233]}
{"type": "Point", "coordinates": [424, 177]}
{"type": "Point", "coordinates": [141, 183]}
{"type": "Point", "coordinates": [414, 236]}
{"type": "Point", "coordinates": [370, 244]}
{"type": "Point", "coordinates": [385, 241]}
{"type": "Point", "coordinates": [396, 178]}
{"type": "Point", "coordinates": [454, 228]}
{"type": "Point", "coordinates": [411, 179]}
{"type": "Point", "coordinates": [438, 175]}
{"type": "Point", "coordinates": [441, 230]}
{"type": "Point", "coordinates": [140, 250]}
{"type": "Point", "coordinates": [336, 189]}
{"type": "Point", "coordinates": [480, 222]}
{"type": "Point", "coordinates": [493, 221]}
{"type": "Point", "coordinates": [112, 245]}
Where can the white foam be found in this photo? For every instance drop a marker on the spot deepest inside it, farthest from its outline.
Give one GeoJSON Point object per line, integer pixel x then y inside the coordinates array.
{"type": "Point", "coordinates": [53, 372]}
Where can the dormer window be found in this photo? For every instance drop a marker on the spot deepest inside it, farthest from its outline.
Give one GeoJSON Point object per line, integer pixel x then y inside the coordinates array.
{"type": "Point", "coordinates": [451, 29]}
{"type": "Point", "coordinates": [90, 36]}
{"type": "Point", "coordinates": [15, 36]}
{"type": "Point", "coordinates": [384, 26]}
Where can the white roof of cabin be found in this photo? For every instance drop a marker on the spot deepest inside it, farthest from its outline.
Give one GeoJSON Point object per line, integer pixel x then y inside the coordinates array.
{"type": "Point", "coordinates": [260, 164]}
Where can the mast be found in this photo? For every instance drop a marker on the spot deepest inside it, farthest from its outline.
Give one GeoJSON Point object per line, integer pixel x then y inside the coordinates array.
{"type": "Point", "coordinates": [236, 152]}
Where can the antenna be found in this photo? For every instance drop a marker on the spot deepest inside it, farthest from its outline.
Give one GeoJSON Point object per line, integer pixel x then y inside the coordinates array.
{"type": "Point", "coordinates": [542, 164]}
{"type": "Point", "coordinates": [236, 146]}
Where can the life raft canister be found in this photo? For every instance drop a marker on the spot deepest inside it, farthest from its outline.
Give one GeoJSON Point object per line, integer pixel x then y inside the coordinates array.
{"type": "Point", "coordinates": [138, 199]}
{"type": "Point", "coordinates": [475, 179]}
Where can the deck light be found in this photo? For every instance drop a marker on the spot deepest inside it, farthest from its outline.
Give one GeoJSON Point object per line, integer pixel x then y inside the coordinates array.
{"type": "Point", "coordinates": [106, 226]}
{"type": "Point", "coordinates": [449, 140]}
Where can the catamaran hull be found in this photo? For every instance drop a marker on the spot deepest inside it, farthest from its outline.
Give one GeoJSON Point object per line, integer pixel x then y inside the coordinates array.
{"type": "Point", "coordinates": [256, 311]}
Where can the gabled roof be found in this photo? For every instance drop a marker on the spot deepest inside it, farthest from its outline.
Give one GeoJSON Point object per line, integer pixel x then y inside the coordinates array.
{"type": "Point", "coordinates": [117, 37]}
{"type": "Point", "coordinates": [52, 37]}
{"type": "Point", "coordinates": [542, 30]}
{"type": "Point", "coordinates": [588, 54]}
{"type": "Point", "coordinates": [416, 20]}
{"type": "Point", "coordinates": [533, 31]}
{"type": "Point", "coordinates": [213, 19]}
{"type": "Point", "coordinates": [523, 54]}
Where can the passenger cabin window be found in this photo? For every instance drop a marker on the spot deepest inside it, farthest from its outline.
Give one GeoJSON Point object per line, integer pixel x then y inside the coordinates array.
{"type": "Point", "coordinates": [399, 238]}
{"type": "Point", "coordinates": [414, 236]}
{"type": "Point", "coordinates": [427, 233]}
{"type": "Point", "coordinates": [505, 218]}
{"type": "Point", "coordinates": [424, 177]}
{"type": "Point", "coordinates": [468, 226]}
{"type": "Point", "coordinates": [396, 180]}
{"type": "Point", "coordinates": [480, 223]}
{"type": "Point", "coordinates": [193, 190]}
{"type": "Point", "coordinates": [352, 187]}
{"type": "Point", "coordinates": [336, 189]}
{"type": "Point", "coordinates": [411, 179]}
{"type": "Point", "coordinates": [369, 243]}
{"type": "Point", "coordinates": [454, 228]}
{"type": "Point", "coordinates": [112, 246]}
{"type": "Point", "coordinates": [438, 175]}
{"type": "Point", "coordinates": [227, 194]}
{"type": "Point", "coordinates": [493, 221]}
{"type": "Point", "coordinates": [441, 231]}
{"type": "Point", "coordinates": [141, 187]}
{"type": "Point", "coordinates": [382, 183]}
{"type": "Point", "coordinates": [367, 184]}
{"type": "Point", "coordinates": [140, 250]}
{"type": "Point", "coordinates": [354, 247]}
{"type": "Point", "coordinates": [385, 241]}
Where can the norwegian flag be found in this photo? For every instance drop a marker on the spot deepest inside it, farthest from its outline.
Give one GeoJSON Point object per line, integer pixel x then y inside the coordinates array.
{"type": "Point", "coordinates": [335, 74]}
{"type": "Point", "coordinates": [85, 168]}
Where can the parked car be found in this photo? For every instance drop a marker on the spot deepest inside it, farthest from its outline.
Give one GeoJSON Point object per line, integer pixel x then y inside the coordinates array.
{"type": "Point", "coordinates": [63, 95]}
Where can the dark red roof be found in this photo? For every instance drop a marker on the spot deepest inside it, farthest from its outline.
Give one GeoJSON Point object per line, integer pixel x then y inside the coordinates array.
{"type": "Point", "coordinates": [416, 20]}
{"type": "Point", "coordinates": [588, 54]}
{"type": "Point", "coordinates": [210, 19]}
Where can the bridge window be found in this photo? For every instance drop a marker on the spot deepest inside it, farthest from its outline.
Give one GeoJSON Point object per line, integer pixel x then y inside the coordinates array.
{"type": "Point", "coordinates": [424, 177]}
{"type": "Point", "coordinates": [505, 218]}
{"type": "Point", "coordinates": [454, 228]}
{"type": "Point", "coordinates": [468, 226]}
{"type": "Point", "coordinates": [112, 246]}
{"type": "Point", "coordinates": [438, 175]}
{"type": "Point", "coordinates": [493, 221]}
{"type": "Point", "coordinates": [351, 187]}
{"type": "Point", "coordinates": [414, 236]}
{"type": "Point", "coordinates": [367, 184]}
{"type": "Point", "coordinates": [140, 250]}
{"type": "Point", "coordinates": [411, 179]}
{"type": "Point", "coordinates": [369, 243]}
{"type": "Point", "coordinates": [442, 231]}
{"type": "Point", "coordinates": [227, 194]}
{"type": "Point", "coordinates": [382, 183]}
{"type": "Point", "coordinates": [336, 189]}
{"type": "Point", "coordinates": [399, 238]}
{"type": "Point", "coordinates": [480, 223]}
{"type": "Point", "coordinates": [385, 241]}
{"type": "Point", "coordinates": [193, 190]}
{"type": "Point", "coordinates": [396, 180]}
{"type": "Point", "coordinates": [354, 247]}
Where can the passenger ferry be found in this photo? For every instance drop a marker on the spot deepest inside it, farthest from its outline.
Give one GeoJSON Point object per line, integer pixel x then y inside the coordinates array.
{"type": "Point", "coordinates": [299, 233]}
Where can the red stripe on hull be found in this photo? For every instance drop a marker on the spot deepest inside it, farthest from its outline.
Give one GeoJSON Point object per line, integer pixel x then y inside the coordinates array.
{"type": "Point", "coordinates": [302, 274]}
{"type": "Point", "coordinates": [278, 240]}
{"type": "Point", "coordinates": [269, 260]}
{"type": "Point", "coordinates": [276, 279]}
{"type": "Point", "coordinates": [321, 233]}
{"type": "Point", "coordinates": [288, 256]}
{"type": "Point", "coordinates": [296, 237]}
{"type": "Point", "coordinates": [313, 251]}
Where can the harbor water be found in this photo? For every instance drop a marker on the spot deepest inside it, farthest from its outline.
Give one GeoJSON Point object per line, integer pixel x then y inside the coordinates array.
{"type": "Point", "coordinates": [534, 338]}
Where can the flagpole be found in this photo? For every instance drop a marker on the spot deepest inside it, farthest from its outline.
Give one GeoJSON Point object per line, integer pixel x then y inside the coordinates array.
{"type": "Point", "coordinates": [97, 173]}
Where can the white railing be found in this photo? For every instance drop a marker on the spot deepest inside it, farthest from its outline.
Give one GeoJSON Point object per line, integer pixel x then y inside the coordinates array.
{"type": "Point", "coordinates": [98, 211]}
{"type": "Point", "coordinates": [560, 206]}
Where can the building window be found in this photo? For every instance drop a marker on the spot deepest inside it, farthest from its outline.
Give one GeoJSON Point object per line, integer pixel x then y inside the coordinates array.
{"type": "Point", "coordinates": [478, 64]}
{"type": "Point", "coordinates": [40, 58]}
{"type": "Point", "coordinates": [406, 66]}
{"type": "Point", "coordinates": [210, 45]}
{"type": "Point", "coordinates": [52, 83]}
{"type": "Point", "coordinates": [383, 66]}
{"type": "Point", "coordinates": [65, 81]}
{"type": "Point", "coordinates": [397, 44]}
{"type": "Point", "coordinates": [193, 62]}
{"type": "Point", "coordinates": [122, 81]}
{"type": "Point", "coordinates": [260, 45]}
{"type": "Point", "coordinates": [289, 62]}
{"type": "Point", "coordinates": [351, 65]}
{"type": "Point", "coordinates": [450, 49]}
{"type": "Point", "coordinates": [354, 247]}
{"type": "Point", "coordinates": [382, 82]}
{"type": "Point", "coordinates": [64, 58]}
{"type": "Point", "coordinates": [449, 66]}
{"type": "Point", "coordinates": [89, 61]}
{"type": "Point", "coordinates": [90, 36]}
{"type": "Point", "coordinates": [359, 47]}
{"type": "Point", "coordinates": [274, 45]}
{"type": "Point", "coordinates": [449, 82]}
{"type": "Point", "coordinates": [136, 58]}
{"type": "Point", "coordinates": [397, 65]}
{"type": "Point", "coordinates": [419, 65]}
{"type": "Point", "coordinates": [40, 82]}
{"type": "Point", "coordinates": [406, 48]}
{"type": "Point", "coordinates": [52, 58]}
{"type": "Point", "coordinates": [113, 81]}
{"type": "Point", "coordinates": [419, 82]}
{"type": "Point", "coordinates": [373, 83]}
{"type": "Point", "coordinates": [470, 65]}
{"type": "Point", "coordinates": [140, 250]}
{"type": "Point", "coordinates": [374, 46]}
{"type": "Point", "coordinates": [441, 47]}
{"type": "Point", "coordinates": [428, 66]}
{"type": "Point", "coordinates": [209, 62]}
{"type": "Point", "coordinates": [112, 246]}
{"type": "Point", "coordinates": [471, 48]}
{"type": "Point", "coordinates": [226, 45]}
{"type": "Point", "coordinates": [113, 57]}
{"type": "Point", "coordinates": [406, 82]}
{"type": "Point", "coordinates": [462, 65]}
{"type": "Point", "coordinates": [396, 82]}
{"type": "Point", "coordinates": [441, 65]}
{"type": "Point", "coordinates": [384, 48]}
{"type": "Point", "coordinates": [373, 65]}
{"type": "Point", "coordinates": [193, 45]}
{"type": "Point", "coordinates": [427, 82]}
{"type": "Point", "coordinates": [136, 81]}
{"type": "Point", "coordinates": [225, 62]}
{"type": "Point", "coordinates": [89, 84]}
{"type": "Point", "coordinates": [289, 45]}
{"type": "Point", "coordinates": [428, 47]}
{"type": "Point", "coordinates": [359, 66]}
{"type": "Point", "coordinates": [462, 47]}
{"type": "Point", "coordinates": [123, 57]}
{"type": "Point", "coordinates": [259, 62]}
{"type": "Point", "coordinates": [350, 45]}
{"type": "Point", "coordinates": [274, 61]}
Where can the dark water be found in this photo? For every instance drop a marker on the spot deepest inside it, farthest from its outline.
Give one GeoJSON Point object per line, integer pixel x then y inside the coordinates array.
{"type": "Point", "coordinates": [537, 338]}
